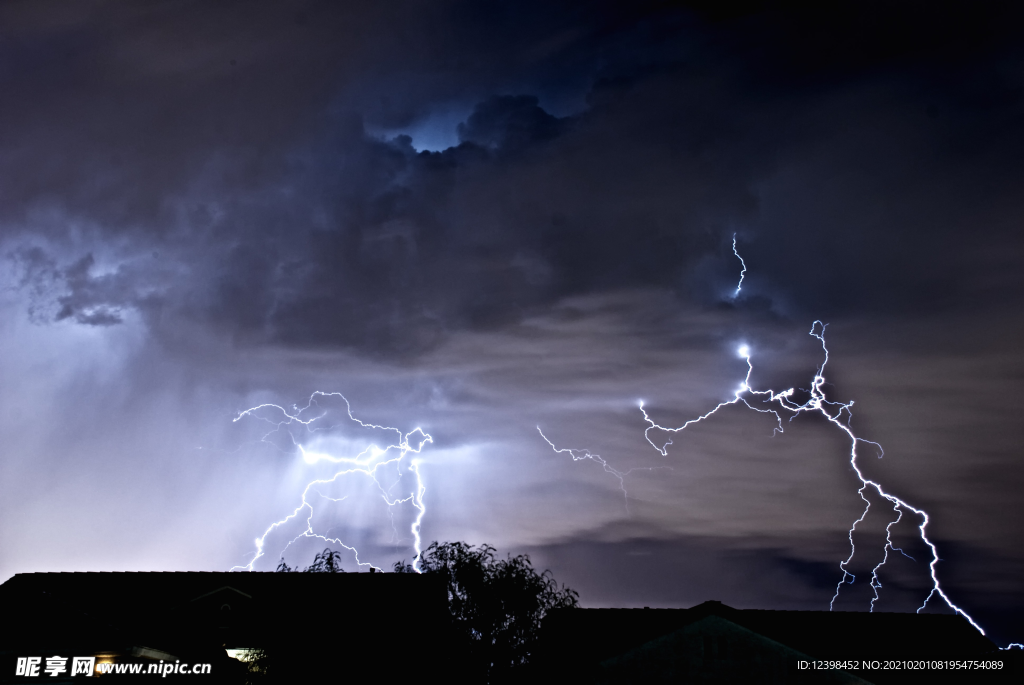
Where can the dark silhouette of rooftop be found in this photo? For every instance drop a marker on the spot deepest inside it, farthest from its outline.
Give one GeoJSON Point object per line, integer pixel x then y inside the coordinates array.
{"type": "Point", "coordinates": [312, 623]}
{"type": "Point", "coordinates": [712, 643]}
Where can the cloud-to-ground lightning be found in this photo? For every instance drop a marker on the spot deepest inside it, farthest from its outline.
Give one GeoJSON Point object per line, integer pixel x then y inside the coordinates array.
{"type": "Point", "coordinates": [839, 414]}
{"type": "Point", "coordinates": [368, 462]}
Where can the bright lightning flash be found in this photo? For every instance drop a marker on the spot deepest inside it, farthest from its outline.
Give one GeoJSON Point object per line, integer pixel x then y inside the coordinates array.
{"type": "Point", "coordinates": [370, 463]}
{"type": "Point", "coordinates": [839, 414]}
{"type": "Point", "coordinates": [743, 272]}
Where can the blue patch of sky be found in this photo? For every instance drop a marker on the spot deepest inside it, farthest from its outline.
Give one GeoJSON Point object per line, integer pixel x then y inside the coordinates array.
{"type": "Point", "coordinates": [438, 129]}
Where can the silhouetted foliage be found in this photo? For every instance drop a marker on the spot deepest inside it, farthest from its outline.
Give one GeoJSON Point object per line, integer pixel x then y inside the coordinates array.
{"type": "Point", "coordinates": [327, 561]}
{"type": "Point", "coordinates": [497, 604]}
{"type": "Point", "coordinates": [255, 661]}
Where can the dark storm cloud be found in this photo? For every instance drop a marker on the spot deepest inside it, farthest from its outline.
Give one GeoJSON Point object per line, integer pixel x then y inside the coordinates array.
{"type": "Point", "coordinates": [75, 291]}
{"type": "Point", "coordinates": [509, 123]}
{"type": "Point", "coordinates": [841, 147]}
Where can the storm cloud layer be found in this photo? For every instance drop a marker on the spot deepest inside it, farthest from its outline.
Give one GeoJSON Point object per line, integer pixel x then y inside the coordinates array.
{"type": "Point", "coordinates": [484, 217]}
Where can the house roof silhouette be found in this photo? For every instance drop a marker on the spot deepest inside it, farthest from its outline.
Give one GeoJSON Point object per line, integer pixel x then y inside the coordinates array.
{"type": "Point", "coordinates": [315, 621]}
{"type": "Point", "coordinates": [713, 642]}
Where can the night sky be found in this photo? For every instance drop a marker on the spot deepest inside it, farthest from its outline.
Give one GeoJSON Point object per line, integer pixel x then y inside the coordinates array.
{"type": "Point", "coordinates": [479, 218]}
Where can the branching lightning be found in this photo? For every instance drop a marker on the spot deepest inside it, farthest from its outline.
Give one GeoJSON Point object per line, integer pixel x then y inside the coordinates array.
{"type": "Point", "coordinates": [839, 414]}
{"type": "Point", "coordinates": [369, 463]}
{"type": "Point", "coordinates": [744, 387]}
{"type": "Point", "coordinates": [581, 454]}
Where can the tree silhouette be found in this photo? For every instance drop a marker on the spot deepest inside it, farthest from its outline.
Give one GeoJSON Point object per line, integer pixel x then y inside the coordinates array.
{"type": "Point", "coordinates": [327, 561]}
{"type": "Point", "coordinates": [497, 604]}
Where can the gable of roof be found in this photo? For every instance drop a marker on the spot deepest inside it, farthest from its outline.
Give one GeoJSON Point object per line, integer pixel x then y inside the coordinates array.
{"type": "Point", "coordinates": [712, 649]}
{"type": "Point", "coordinates": [594, 635]}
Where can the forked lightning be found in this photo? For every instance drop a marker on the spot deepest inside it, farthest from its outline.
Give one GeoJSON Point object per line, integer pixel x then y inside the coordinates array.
{"type": "Point", "coordinates": [368, 463]}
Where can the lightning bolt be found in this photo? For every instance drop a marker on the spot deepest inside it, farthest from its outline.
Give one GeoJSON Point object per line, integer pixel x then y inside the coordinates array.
{"type": "Point", "coordinates": [582, 454]}
{"type": "Point", "coordinates": [743, 271]}
{"type": "Point", "coordinates": [421, 510]}
{"type": "Point", "coordinates": [744, 387]}
{"type": "Point", "coordinates": [839, 414]}
{"type": "Point", "coordinates": [369, 462]}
